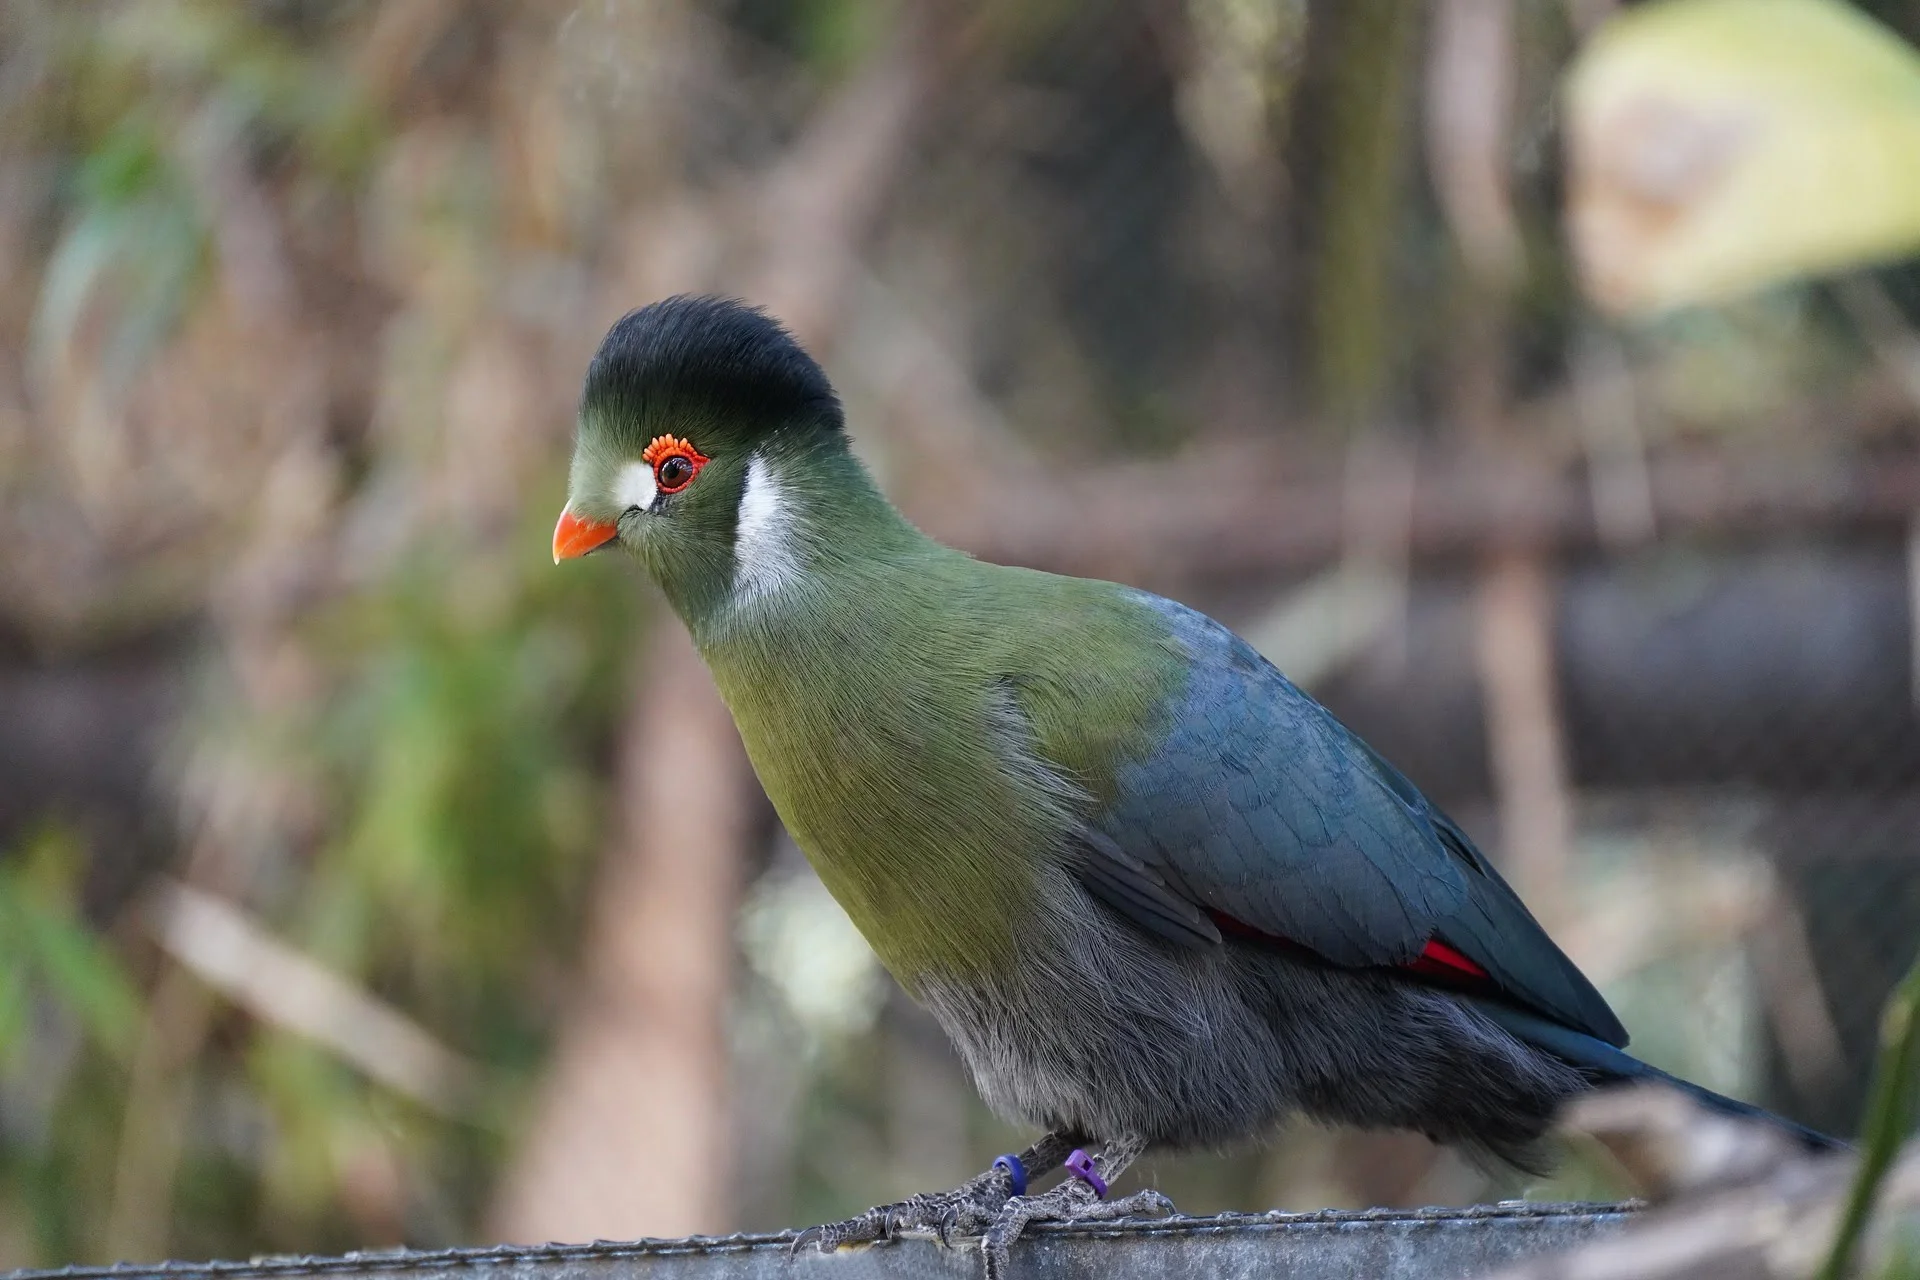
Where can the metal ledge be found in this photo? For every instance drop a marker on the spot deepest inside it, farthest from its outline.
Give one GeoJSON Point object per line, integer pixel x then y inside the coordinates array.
{"type": "Point", "coordinates": [1379, 1244]}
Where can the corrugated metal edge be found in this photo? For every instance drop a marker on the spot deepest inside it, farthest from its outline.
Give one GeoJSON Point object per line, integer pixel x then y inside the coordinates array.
{"type": "Point", "coordinates": [375, 1261]}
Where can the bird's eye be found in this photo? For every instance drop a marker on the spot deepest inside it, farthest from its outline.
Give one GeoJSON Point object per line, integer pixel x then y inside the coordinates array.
{"type": "Point", "coordinates": [675, 463]}
{"type": "Point", "coordinates": [674, 473]}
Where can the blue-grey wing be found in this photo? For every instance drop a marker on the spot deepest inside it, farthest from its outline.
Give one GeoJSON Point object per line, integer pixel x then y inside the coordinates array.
{"type": "Point", "coordinates": [1261, 810]}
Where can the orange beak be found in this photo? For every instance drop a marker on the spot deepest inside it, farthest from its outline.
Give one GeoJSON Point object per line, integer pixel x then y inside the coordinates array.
{"type": "Point", "coordinates": [574, 537]}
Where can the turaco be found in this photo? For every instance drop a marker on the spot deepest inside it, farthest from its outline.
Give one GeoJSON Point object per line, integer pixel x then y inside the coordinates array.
{"type": "Point", "coordinates": [1157, 896]}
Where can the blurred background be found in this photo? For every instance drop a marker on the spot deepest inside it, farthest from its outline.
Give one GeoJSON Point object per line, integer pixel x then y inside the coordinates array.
{"type": "Point", "coordinates": [364, 879]}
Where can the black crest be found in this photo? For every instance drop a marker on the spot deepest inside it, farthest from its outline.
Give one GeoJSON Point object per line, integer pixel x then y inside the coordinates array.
{"type": "Point", "coordinates": [691, 355]}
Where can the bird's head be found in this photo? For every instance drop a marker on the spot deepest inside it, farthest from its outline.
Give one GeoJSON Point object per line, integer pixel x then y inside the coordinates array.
{"type": "Point", "coordinates": [699, 418]}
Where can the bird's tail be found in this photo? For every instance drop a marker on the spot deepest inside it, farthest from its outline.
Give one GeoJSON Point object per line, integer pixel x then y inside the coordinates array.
{"type": "Point", "coordinates": [1602, 1060]}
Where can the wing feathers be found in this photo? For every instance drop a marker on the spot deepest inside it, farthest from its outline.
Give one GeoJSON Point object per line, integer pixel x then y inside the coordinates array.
{"type": "Point", "coordinates": [1128, 886]}
{"type": "Point", "coordinates": [1261, 809]}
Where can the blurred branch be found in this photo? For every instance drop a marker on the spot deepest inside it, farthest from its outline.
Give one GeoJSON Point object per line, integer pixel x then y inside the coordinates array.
{"type": "Point", "coordinates": [235, 955]}
{"type": "Point", "coordinates": [1524, 732]}
{"type": "Point", "coordinates": [1377, 483]}
{"type": "Point", "coordinates": [1363, 148]}
{"type": "Point", "coordinates": [1672, 1146]}
{"type": "Point", "coordinates": [1739, 1199]}
{"type": "Point", "coordinates": [961, 447]}
{"type": "Point", "coordinates": [1610, 436]}
{"type": "Point", "coordinates": [816, 205]}
{"type": "Point", "coordinates": [153, 1130]}
{"type": "Point", "coordinates": [1140, 519]}
{"type": "Point", "coordinates": [1235, 94]}
{"type": "Point", "coordinates": [1673, 906]}
{"type": "Point", "coordinates": [1314, 629]}
{"type": "Point", "coordinates": [1803, 1021]}
{"type": "Point", "coordinates": [1470, 88]}
{"type": "Point", "coordinates": [398, 40]}
{"type": "Point", "coordinates": [633, 1135]}
{"type": "Point", "coordinates": [1470, 76]}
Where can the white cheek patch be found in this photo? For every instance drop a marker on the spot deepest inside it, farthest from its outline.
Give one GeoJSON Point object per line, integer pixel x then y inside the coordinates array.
{"type": "Point", "coordinates": [635, 487]}
{"type": "Point", "coordinates": [764, 560]}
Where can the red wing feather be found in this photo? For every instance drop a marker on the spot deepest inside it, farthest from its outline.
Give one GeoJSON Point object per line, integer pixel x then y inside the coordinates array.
{"type": "Point", "coordinates": [1442, 961]}
{"type": "Point", "coordinates": [1436, 959]}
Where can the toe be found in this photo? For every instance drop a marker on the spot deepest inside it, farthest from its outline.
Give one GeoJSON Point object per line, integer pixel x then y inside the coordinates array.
{"type": "Point", "coordinates": [812, 1235]}
{"type": "Point", "coordinates": [1148, 1203]}
{"type": "Point", "coordinates": [869, 1226]}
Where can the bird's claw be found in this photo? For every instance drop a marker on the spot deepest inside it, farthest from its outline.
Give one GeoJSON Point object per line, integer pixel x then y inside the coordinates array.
{"type": "Point", "coordinates": [995, 1205]}
{"type": "Point", "coordinates": [1071, 1201]}
{"type": "Point", "coordinates": [965, 1210]}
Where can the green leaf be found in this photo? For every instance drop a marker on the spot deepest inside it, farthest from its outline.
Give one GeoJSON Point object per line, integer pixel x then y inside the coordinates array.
{"type": "Point", "coordinates": [83, 976]}
{"type": "Point", "coordinates": [50, 944]}
{"type": "Point", "coordinates": [1718, 146]}
{"type": "Point", "coordinates": [1888, 1120]}
{"type": "Point", "coordinates": [136, 240]}
{"type": "Point", "coordinates": [13, 1007]}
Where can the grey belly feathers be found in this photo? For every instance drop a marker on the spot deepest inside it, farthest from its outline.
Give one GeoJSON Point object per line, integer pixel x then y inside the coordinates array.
{"type": "Point", "coordinates": [1112, 1032]}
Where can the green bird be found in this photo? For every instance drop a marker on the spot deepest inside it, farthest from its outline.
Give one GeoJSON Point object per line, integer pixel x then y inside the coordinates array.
{"type": "Point", "coordinates": [1155, 894]}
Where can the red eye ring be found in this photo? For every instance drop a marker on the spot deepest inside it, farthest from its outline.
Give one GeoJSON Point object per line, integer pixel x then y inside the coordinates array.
{"type": "Point", "coordinates": [675, 462]}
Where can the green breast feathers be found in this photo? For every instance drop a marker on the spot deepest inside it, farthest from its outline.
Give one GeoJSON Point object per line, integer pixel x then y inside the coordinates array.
{"type": "Point", "coordinates": [931, 748]}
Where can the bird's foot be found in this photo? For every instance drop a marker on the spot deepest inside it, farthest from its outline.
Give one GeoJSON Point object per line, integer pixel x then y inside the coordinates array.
{"type": "Point", "coordinates": [1081, 1198]}
{"type": "Point", "coordinates": [965, 1210]}
{"type": "Point", "coordinates": [968, 1209]}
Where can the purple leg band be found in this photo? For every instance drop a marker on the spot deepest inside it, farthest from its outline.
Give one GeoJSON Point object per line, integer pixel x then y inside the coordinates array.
{"type": "Point", "coordinates": [1080, 1165]}
{"type": "Point", "coordinates": [1015, 1170]}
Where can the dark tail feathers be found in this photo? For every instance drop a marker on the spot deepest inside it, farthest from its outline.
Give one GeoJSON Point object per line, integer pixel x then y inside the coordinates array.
{"type": "Point", "coordinates": [1607, 1062]}
{"type": "Point", "coordinates": [1811, 1139]}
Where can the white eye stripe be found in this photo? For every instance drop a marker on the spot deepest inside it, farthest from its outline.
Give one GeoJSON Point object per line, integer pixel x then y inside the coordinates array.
{"type": "Point", "coordinates": [635, 487]}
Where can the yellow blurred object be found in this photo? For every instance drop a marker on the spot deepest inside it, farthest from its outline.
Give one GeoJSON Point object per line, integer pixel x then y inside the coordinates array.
{"type": "Point", "coordinates": [1717, 146]}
